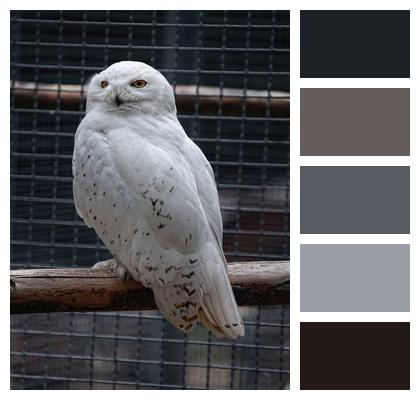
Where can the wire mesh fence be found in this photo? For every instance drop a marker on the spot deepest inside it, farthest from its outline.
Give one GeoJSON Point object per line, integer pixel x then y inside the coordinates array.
{"type": "Point", "coordinates": [230, 73]}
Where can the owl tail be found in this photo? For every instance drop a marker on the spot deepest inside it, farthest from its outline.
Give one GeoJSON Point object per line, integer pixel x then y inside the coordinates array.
{"type": "Point", "coordinates": [219, 312]}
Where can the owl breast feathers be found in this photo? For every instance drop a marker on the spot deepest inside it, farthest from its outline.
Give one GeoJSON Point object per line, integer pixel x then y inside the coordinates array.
{"type": "Point", "coordinates": [150, 194]}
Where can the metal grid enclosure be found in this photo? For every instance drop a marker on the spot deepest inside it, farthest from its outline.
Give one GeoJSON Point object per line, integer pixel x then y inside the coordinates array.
{"type": "Point", "coordinates": [230, 73]}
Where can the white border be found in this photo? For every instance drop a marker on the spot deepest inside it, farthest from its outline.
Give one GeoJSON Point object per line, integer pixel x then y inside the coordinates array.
{"type": "Point", "coordinates": [296, 161]}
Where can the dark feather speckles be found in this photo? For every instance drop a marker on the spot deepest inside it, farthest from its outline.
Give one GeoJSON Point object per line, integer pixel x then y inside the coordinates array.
{"type": "Point", "coordinates": [135, 231]}
{"type": "Point", "coordinates": [161, 226]}
{"type": "Point", "coordinates": [188, 291]}
{"type": "Point", "coordinates": [167, 269]}
{"type": "Point", "coordinates": [192, 262]}
{"type": "Point", "coordinates": [186, 304]}
{"type": "Point", "coordinates": [153, 202]}
{"type": "Point", "coordinates": [172, 188]}
{"type": "Point", "coordinates": [188, 276]}
{"type": "Point", "coordinates": [189, 319]}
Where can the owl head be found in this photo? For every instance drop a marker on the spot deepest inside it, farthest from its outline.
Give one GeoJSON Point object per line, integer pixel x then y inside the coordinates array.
{"type": "Point", "coordinates": [130, 86]}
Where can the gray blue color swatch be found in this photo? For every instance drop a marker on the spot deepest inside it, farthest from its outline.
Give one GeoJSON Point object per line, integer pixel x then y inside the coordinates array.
{"type": "Point", "coordinates": [355, 277]}
{"type": "Point", "coordinates": [355, 200]}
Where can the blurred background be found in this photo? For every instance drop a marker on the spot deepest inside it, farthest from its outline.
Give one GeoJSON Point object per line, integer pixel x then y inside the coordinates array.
{"type": "Point", "coordinates": [230, 73]}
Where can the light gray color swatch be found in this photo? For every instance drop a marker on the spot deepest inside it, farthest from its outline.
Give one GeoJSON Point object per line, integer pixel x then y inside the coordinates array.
{"type": "Point", "coordinates": [361, 277]}
{"type": "Point", "coordinates": [355, 200]}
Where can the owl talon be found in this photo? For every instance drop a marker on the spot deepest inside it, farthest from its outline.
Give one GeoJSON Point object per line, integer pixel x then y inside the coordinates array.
{"type": "Point", "coordinates": [115, 267]}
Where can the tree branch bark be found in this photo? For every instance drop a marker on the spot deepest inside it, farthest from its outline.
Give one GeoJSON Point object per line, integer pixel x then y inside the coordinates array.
{"type": "Point", "coordinates": [84, 289]}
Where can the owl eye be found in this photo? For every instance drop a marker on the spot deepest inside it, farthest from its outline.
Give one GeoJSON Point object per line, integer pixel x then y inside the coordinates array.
{"type": "Point", "coordinates": [104, 84]}
{"type": "Point", "coordinates": [139, 83]}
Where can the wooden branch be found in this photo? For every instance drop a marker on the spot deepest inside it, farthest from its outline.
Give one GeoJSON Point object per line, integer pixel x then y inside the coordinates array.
{"type": "Point", "coordinates": [205, 100]}
{"type": "Point", "coordinates": [84, 289]}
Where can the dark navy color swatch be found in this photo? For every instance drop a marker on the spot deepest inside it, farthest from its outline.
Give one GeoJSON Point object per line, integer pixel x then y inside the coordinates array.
{"type": "Point", "coordinates": [355, 44]}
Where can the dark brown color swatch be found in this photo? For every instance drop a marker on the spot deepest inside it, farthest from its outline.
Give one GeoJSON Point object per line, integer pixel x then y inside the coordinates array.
{"type": "Point", "coordinates": [355, 122]}
{"type": "Point", "coordinates": [355, 355]}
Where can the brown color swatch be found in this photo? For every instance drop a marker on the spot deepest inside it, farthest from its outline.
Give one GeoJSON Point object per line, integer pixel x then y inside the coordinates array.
{"type": "Point", "coordinates": [355, 122]}
{"type": "Point", "coordinates": [355, 355]}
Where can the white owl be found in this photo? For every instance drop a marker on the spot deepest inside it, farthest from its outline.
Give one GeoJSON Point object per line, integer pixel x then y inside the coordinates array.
{"type": "Point", "coordinates": [150, 194]}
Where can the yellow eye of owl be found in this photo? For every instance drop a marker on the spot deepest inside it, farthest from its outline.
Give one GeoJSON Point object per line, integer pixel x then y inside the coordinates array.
{"type": "Point", "coordinates": [139, 83]}
{"type": "Point", "coordinates": [104, 84]}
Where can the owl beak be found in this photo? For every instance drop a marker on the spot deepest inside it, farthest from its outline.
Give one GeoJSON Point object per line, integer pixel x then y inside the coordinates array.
{"type": "Point", "coordinates": [118, 101]}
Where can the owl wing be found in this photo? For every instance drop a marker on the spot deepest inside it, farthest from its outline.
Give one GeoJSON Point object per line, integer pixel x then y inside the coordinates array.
{"type": "Point", "coordinates": [219, 312]}
{"type": "Point", "coordinates": [77, 193]}
{"type": "Point", "coordinates": [206, 187]}
{"type": "Point", "coordinates": [164, 188]}
{"type": "Point", "coordinates": [177, 195]}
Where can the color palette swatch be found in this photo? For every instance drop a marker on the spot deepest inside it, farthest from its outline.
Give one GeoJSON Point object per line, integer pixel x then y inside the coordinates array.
{"type": "Point", "coordinates": [355, 355]}
{"type": "Point", "coordinates": [355, 122]}
{"type": "Point", "coordinates": [361, 277]}
{"type": "Point", "coordinates": [355, 44]}
{"type": "Point", "coordinates": [355, 200]}
{"type": "Point", "coordinates": [363, 197]}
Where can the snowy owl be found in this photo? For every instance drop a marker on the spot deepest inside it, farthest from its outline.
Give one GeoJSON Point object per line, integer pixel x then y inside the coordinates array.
{"type": "Point", "coordinates": [150, 194]}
